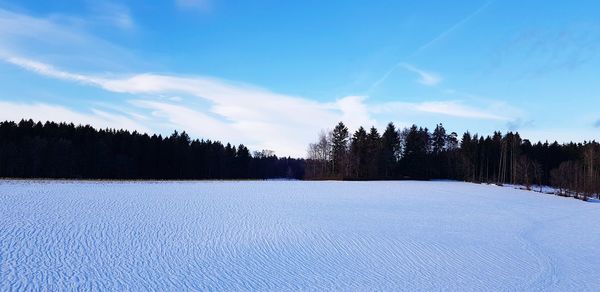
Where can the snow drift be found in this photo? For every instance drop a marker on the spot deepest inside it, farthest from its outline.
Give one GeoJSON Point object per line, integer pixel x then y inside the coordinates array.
{"type": "Point", "coordinates": [282, 235]}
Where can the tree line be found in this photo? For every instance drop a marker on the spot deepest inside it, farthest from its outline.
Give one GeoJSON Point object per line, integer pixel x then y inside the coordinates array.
{"type": "Point", "coordinates": [418, 153]}
{"type": "Point", "coordinates": [60, 150]}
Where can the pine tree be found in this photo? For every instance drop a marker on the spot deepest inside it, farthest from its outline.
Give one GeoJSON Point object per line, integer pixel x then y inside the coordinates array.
{"type": "Point", "coordinates": [52, 150]}
{"type": "Point", "coordinates": [339, 149]}
{"type": "Point", "coordinates": [416, 148]}
{"type": "Point", "coordinates": [390, 149]}
{"type": "Point", "coordinates": [374, 154]}
{"type": "Point", "coordinates": [358, 155]}
{"type": "Point", "coordinates": [439, 139]}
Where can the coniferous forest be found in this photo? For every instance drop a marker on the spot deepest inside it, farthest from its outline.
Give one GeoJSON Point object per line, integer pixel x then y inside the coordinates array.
{"type": "Point", "coordinates": [53, 150]}
{"type": "Point", "coordinates": [59, 150]}
{"type": "Point", "coordinates": [418, 153]}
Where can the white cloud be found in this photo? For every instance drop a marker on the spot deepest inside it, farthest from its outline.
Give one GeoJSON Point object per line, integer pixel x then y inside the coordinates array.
{"type": "Point", "coordinates": [425, 78]}
{"type": "Point", "coordinates": [242, 113]}
{"type": "Point", "coordinates": [428, 78]}
{"type": "Point", "coordinates": [98, 14]}
{"type": "Point", "coordinates": [206, 107]}
{"type": "Point", "coordinates": [51, 71]}
{"type": "Point", "coordinates": [58, 42]}
{"type": "Point", "coordinates": [247, 114]}
{"type": "Point", "coordinates": [447, 108]}
{"type": "Point", "coordinates": [237, 112]}
{"type": "Point", "coordinates": [355, 112]}
{"type": "Point", "coordinates": [16, 111]}
{"type": "Point", "coordinates": [457, 110]}
{"type": "Point", "coordinates": [112, 14]}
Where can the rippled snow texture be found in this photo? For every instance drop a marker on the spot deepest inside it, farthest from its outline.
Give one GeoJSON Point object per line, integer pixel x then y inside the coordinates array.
{"type": "Point", "coordinates": [287, 235]}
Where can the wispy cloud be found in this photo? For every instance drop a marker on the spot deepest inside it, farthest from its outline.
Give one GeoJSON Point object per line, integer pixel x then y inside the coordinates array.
{"type": "Point", "coordinates": [61, 43]}
{"type": "Point", "coordinates": [447, 108]}
{"type": "Point", "coordinates": [245, 113]}
{"type": "Point", "coordinates": [452, 28]}
{"type": "Point", "coordinates": [16, 111]}
{"type": "Point", "coordinates": [102, 14]}
{"type": "Point", "coordinates": [51, 71]}
{"type": "Point", "coordinates": [236, 112]}
{"type": "Point", "coordinates": [430, 43]}
{"type": "Point", "coordinates": [113, 14]}
{"type": "Point", "coordinates": [207, 107]}
{"type": "Point", "coordinates": [425, 78]}
{"type": "Point", "coordinates": [539, 51]}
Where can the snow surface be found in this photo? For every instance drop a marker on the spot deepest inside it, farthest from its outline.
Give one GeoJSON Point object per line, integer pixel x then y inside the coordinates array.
{"type": "Point", "coordinates": [293, 235]}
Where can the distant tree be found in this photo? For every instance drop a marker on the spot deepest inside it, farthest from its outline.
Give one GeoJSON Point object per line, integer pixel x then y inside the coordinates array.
{"type": "Point", "coordinates": [524, 171]}
{"type": "Point", "coordinates": [265, 153]}
{"type": "Point", "coordinates": [416, 148]}
{"type": "Point", "coordinates": [242, 159]}
{"type": "Point", "coordinates": [61, 150]}
{"type": "Point", "coordinates": [390, 150]}
{"type": "Point", "coordinates": [319, 157]}
{"type": "Point", "coordinates": [537, 174]}
{"type": "Point", "coordinates": [415, 153]}
{"type": "Point", "coordinates": [359, 153]}
{"type": "Point", "coordinates": [339, 149]}
{"type": "Point", "coordinates": [589, 163]}
{"type": "Point", "coordinates": [374, 153]}
{"type": "Point", "coordinates": [467, 157]}
{"type": "Point", "coordinates": [452, 142]}
{"type": "Point", "coordinates": [439, 139]}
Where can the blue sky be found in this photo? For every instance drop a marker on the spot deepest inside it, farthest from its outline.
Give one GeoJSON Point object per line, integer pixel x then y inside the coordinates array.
{"type": "Point", "coordinates": [272, 74]}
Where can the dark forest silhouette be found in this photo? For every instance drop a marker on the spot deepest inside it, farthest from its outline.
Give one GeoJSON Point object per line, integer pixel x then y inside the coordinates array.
{"type": "Point", "coordinates": [60, 150]}
{"type": "Point", "coordinates": [417, 153]}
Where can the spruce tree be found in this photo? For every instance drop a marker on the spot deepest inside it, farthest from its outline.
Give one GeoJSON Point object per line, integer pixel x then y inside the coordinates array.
{"type": "Point", "coordinates": [439, 139]}
{"type": "Point", "coordinates": [358, 155]}
{"type": "Point", "coordinates": [374, 153]}
{"type": "Point", "coordinates": [339, 149]}
{"type": "Point", "coordinates": [390, 150]}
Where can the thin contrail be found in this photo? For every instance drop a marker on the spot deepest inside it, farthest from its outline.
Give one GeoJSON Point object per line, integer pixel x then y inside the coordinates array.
{"type": "Point", "coordinates": [452, 28]}
{"type": "Point", "coordinates": [429, 44]}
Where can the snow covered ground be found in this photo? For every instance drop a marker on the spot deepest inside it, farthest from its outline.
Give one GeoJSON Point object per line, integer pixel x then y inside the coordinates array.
{"type": "Point", "coordinates": [291, 235]}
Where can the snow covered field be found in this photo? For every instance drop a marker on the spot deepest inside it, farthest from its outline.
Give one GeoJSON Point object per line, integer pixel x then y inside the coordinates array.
{"type": "Point", "coordinates": [286, 235]}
